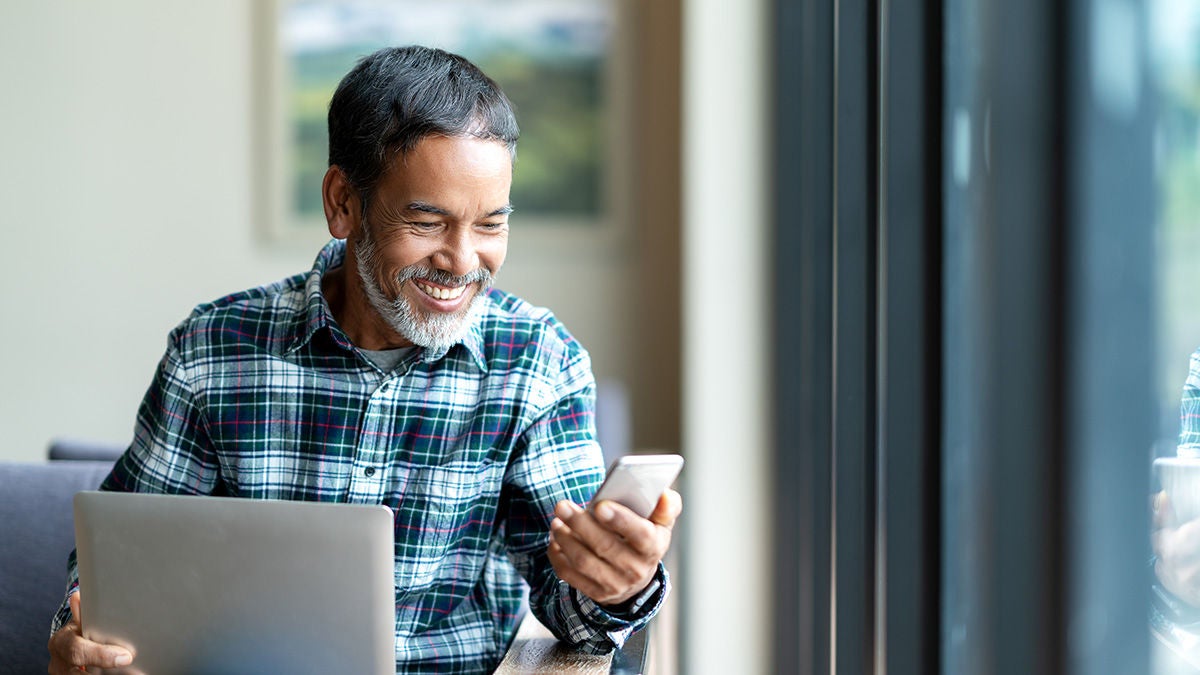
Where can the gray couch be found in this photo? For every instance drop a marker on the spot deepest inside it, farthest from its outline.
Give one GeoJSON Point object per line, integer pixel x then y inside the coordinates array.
{"type": "Point", "coordinates": [37, 533]}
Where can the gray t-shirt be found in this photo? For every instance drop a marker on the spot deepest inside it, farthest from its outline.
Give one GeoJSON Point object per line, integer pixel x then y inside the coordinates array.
{"type": "Point", "coordinates": [387, 359]}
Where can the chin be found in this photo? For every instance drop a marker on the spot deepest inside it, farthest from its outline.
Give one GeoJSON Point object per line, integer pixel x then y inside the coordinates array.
{"type": "Point", "coordinates": [432, 331]}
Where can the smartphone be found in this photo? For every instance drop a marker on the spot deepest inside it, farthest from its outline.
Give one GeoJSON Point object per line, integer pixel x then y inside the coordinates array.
{"type": "Point", "coordinates": [637, 481]}
{"type": "Point", "coordinates": [1180, 479]}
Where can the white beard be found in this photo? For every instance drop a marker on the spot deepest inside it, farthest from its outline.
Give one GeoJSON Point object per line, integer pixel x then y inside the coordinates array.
{"type": "Point", "coordinates": [435, 332]}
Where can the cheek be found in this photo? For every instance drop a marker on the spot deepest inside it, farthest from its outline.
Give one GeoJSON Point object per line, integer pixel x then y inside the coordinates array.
{"type": "Point", "coordinates": [385, 278]}
{"type": "Point", "coordinates": [492, 254]}
{"type": "Point", "coordinates": [386, 272]}
{"type": "Point", "coordinates": [397, 255]}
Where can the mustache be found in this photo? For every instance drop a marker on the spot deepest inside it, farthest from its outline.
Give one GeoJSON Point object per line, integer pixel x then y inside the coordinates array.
{"type": "Point", "coordinates": [480, 275]}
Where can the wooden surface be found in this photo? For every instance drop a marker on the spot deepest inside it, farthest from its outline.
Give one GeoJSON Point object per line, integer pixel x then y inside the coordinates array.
{"type": "Point", "coordinates": [535, 650]}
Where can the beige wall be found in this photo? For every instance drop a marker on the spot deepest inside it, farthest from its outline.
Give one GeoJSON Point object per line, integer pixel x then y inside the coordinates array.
{"type": "Point", "coordinates": [126, 188]}
{"type": "Point", "coordinates": [126, 184]}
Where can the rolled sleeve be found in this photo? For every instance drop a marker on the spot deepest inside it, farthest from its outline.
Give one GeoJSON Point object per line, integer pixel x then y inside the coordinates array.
{"type": "Point", "coordinates": [560, 459]}
{"type": "Point", "coordinates": [1189, 411]}
{"type": "Point", "coordinates": [591, 619]}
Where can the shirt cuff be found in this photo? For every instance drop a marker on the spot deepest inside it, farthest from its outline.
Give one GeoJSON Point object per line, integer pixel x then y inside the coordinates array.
{"type": "Point", "coordinates": [628, 610]}
{"type": "Point", "coordinates": [63, 616]}
{"type": "Point", "coordinates": [619, 624]}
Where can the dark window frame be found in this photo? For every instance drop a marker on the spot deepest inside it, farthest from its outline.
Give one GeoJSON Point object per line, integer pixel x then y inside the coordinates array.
{"type": "Point", "coordinates": [954, 434]}
{"type": "Point", "coordinates": [857, 203]}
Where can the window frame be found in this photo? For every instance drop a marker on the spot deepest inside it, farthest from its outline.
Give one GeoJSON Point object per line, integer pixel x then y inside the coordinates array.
{"type": "Point", "coordinates": [953, 490]}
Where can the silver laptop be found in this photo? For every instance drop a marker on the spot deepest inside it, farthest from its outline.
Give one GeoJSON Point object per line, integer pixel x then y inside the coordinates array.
{"type": "Point", "coordinates": [222, 585]}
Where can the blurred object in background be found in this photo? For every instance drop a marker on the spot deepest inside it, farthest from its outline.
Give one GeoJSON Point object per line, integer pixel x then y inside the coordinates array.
{"type": "Point", "coordinates": [87, 450]}
{"type": "Point", "coordinates": [1174, 57]}
{"type": "Point", "coordinates": [552, 59]}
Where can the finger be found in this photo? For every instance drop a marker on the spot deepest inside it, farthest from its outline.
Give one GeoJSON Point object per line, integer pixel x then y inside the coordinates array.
{"type": "Point", "coordinates": [1160, 572]}
{"type": "Point", "coordinates": [582, 558]}
{"type": "Point", "coordinates": [621, 570]}
{"type": "Point", "coordinates": [568, 513]}
{"type": "Point", "coordinates": [669, 506]}
{"type": "Point", "coordinates": [566, 571]}
{"type": "Point", "coordinates": [639, 533]}
{"type": "Point", "coordinates": [71, 648]}
{"type": "Point", "coordinates": [73, 603]}
{"type": "Point", "coordinates": [1164, 512]}
{"type": "Point", "coordinates": [584, 526]}
{"type": "Point", "coordinates": [567, 541]}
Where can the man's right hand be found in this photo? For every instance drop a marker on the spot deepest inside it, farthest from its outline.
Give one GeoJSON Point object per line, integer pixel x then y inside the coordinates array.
{"type": "Point", "coordinates": [70, 652]}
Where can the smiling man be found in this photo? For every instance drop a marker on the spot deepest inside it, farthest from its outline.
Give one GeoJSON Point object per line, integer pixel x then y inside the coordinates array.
{"type": "Point", "coordinates": [393, 373]}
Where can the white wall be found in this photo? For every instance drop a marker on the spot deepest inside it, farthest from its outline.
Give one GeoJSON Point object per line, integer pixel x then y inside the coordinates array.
{"type": "Point", "coordinates": [125, 180]}
{"type": "Point", "coordinates": [726, 404]}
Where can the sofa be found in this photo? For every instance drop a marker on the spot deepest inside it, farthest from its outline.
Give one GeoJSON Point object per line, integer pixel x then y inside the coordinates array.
{"type": "Point", "coordinates": [37, 533]}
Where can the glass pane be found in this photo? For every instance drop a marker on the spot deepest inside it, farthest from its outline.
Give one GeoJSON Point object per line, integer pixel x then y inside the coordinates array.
{"type": "Point", "coordinates": [1174, 27]}
{"type": "Point", "coordinates": [964, 127]}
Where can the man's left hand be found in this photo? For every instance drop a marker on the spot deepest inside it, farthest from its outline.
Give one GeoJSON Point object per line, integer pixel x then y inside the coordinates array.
{"type": "Point", "coordinates": [1177, 552]}
{"type": "Point", "coordinates": [610, 553]}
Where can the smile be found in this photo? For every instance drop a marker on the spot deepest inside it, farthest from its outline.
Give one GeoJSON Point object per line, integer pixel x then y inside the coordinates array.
{"type": "Point", "coordinates": [441, 293]}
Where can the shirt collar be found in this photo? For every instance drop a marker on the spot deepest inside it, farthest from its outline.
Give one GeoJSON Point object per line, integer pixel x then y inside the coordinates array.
{"type": "Point", "coordinates": [317, 315]}
{"type": "Point", "coordinates": [472, 341]}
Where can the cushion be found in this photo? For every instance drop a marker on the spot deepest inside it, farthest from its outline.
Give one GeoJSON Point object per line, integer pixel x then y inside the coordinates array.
{"type": "Point", "coordinates": [37, 534]}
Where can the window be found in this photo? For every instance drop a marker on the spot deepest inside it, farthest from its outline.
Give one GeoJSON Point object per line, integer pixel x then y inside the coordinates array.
{"type": "Point", "coordinates": [994, 261]}
{"type": "Point", "coordinates": [1174, 84]}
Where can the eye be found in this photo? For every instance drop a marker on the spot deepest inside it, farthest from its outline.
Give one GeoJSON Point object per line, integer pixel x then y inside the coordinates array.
{"type": "Point", "coordinates": [425, 224]}
{"type": "Point", "coordinates": [492, 226]}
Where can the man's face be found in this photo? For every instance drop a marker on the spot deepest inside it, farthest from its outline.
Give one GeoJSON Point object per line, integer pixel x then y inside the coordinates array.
{"type": "Point", "coordinates": [435, 234]}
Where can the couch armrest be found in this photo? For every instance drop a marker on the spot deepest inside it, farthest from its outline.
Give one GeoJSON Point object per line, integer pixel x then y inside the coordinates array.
{"type": "Point", "coordinates": [37, 530]}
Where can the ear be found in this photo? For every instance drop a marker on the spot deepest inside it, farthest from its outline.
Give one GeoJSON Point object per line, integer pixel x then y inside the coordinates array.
{"type": "Point", "coordinates": [343, 207]}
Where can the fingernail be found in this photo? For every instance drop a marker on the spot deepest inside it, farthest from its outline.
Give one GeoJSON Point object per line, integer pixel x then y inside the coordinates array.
{"type": "Point", "coordinates": [604, 511]}
{"type": "Point", "coordinates": [1158, 501]}
{"type": "Point", "coordinates": [563, 510]}
{"type": "Point", "coordinates": [124, 659]}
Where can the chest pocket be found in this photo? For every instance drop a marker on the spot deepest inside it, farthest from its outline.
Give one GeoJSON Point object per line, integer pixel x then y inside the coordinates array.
{"type": "Point", "coordinates": [443, 525]}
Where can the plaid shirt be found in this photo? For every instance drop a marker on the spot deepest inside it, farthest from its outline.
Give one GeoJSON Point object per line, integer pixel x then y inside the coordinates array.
{"type": "Point", "coordinates": [1189, 411]}
{"type": "Point", "coordinates": [261, 394]}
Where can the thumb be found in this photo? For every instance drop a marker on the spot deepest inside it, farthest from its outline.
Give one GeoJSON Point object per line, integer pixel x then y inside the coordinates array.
{"type": "Point", "coordinates": [669, 506]}
{"type": "Point", "coordinates": [1164, 513]}
{"type": "Point", "coordinates": [73, 602]}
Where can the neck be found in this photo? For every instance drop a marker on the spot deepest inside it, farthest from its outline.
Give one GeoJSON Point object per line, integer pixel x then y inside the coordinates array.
{"type": "Point", "coordinates": [354, 314]}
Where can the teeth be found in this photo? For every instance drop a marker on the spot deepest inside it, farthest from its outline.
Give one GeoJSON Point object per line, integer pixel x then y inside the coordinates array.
{"type": "Point", "coordinates": [441, 293]}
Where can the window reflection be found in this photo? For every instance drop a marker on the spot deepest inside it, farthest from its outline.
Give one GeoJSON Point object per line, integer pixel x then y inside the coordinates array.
{"type": "Point", "coordinates": [1175, 611]}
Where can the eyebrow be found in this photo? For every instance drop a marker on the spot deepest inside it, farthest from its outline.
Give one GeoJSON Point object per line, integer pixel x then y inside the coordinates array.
{"type": "Point", "coordinates": [426, 207]}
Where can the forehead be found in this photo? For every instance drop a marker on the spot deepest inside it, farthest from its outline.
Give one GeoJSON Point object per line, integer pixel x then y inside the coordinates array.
{"type": "Point", "coordinates": [452, 166]}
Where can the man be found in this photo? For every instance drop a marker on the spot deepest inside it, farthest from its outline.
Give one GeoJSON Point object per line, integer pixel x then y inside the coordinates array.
{"type": "Point", "coordinates": [1175, 541]}
{"type": "Point", "coordinates": [1176, 545]}
{"type": "Point", "coordinates": [392, 373]}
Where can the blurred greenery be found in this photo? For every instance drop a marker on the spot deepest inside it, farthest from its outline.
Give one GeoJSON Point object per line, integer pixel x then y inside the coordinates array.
{"type": "Point", "coordinates": [560, 107]}
{"type": "Point", "coordinates": [1178, 160]}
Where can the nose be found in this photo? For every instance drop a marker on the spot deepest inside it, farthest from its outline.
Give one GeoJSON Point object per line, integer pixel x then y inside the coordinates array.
{"type": "Point", "coordinates": [457, 254]}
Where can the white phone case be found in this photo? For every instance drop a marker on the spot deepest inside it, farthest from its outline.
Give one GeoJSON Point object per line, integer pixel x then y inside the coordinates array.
{"type": "Point", "coordinates": [637, 481]}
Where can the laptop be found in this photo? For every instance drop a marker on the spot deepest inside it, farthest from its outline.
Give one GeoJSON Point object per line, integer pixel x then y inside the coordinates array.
{"type": "Point", "coordinates": [224, 585]}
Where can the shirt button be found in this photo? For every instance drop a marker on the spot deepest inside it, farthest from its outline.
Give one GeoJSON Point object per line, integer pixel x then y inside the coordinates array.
{"type": "Point", "coordinates": [385, 386]}
{"type": "Point", "coordinates": [369, 471]}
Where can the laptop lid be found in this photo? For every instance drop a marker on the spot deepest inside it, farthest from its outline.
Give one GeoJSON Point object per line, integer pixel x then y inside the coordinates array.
{"type": "Point", "coordinates": [225, 585]}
